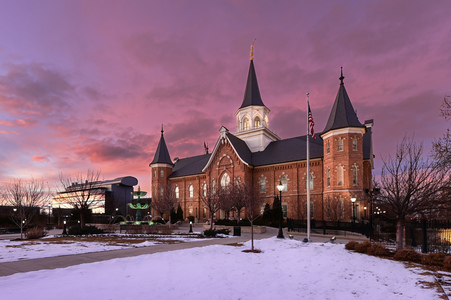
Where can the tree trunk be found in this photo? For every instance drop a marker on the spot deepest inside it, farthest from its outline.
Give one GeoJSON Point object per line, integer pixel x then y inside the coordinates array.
{"type": "Point", "coordinates": [211, 220]}
{"type": "Point", "coordinates": [252, 235]}
{"type": "Point", "coordinates": [400, 233]}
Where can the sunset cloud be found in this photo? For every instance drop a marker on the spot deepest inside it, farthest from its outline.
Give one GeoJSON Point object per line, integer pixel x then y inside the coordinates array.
{"type": "Point", "coordinates": [84, 85]}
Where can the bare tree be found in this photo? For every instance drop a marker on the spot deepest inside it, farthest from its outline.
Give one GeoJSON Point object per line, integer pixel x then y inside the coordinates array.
{"type": "Point", "coordinates": [27, 198]}
{"type": "Point", "coordinates": [337, 209]}
{"type": "Point", "coordinates": [81, 192]}
{"type": "Point", "coordinates": [166, 203]}
{"type": "Point", "coordinates": [410, 184]}
{"type": "Point", "coordinates": [442, 147]}
{"type": "Point", "coordinates": [211, 201]}
{"type": "Point", "coordinates": [236, 199]}
{"type": "Point", "coordinates": [253, 203]}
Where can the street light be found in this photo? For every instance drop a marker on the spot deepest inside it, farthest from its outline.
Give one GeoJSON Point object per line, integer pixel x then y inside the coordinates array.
{"type": "Point", "coordinates": [364, 209]}
{"type": "Point", "coordinates": [64, 230]}
{"type": "Point", "coordinates": [50, 209]}
{"type": "Point", "coordinates": [190, 226]}
{"type": "Point", "coordinates": [353, 212]}
{"type": "Point", "coordinates": [280, 188]}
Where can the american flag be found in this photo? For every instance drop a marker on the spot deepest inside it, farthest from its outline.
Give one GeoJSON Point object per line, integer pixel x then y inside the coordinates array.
{"type": "Point", "coordinates": [311, 123]}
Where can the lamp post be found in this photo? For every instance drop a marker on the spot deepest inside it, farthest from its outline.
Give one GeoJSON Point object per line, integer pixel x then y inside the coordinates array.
{"type": "Point", "coordinates": [50, 209]}
{"type": "Point", "coordinates": [190, 227]}
{"type": "Point", "coordinates": [364, 209]}
{"type": "Point", "coordinates": [280, 188]}
{"type": "Point", "coordinates": [65, 229]}
{"type": "Point", "coordinates": [353, 212]}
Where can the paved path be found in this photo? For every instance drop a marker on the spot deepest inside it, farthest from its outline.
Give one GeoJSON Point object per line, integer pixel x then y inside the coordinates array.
{"type": "Point", "coordinates": [10, 268]}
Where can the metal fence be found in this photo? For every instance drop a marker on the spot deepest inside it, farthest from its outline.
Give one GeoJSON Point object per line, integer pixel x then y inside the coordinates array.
{"type": "Point", "coordinates": [423, 235]}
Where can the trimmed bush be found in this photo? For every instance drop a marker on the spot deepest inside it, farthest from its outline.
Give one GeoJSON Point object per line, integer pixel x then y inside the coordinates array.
{"type": "Point", "coordinates": [447, 263]}
{"type": "Point", "coordinates": [408, 255]}
{"type": "Point", "coordinates": [378, 250]}
{"type": "Point", "coordinates": [214, 232]}
{"type": "Point", "coordinates": [87, 230]}
{"type": "Point", "coordinates": [35, 233]}
{"type": "Point", "coordinates": [434, 259]}
{"type": "Point", "coordinates": [362, 247]}
{"type": "Point", "coordinates": [351, 245]}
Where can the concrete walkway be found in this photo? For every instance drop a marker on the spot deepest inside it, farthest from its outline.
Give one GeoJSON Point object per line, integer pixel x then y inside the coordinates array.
{"type": "Point", "coordinates": [10, 268]}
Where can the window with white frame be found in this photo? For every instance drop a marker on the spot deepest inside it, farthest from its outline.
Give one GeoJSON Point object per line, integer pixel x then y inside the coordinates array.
{"type": "Point", "coordinates": [262, 185]}
{"type": "Point", "coordinates": [284, 181]}
{"type": "Point", "coordinates": [177, 192]}
{"type": "Point", "coordinates": [191, 191]}
{"type": "Point", "coordinates": [340, 175]}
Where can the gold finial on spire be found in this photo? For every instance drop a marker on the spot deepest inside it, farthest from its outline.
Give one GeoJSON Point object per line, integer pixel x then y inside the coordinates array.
{"type": "Point", "coordinates": [139, 188]}
{"type": "Point", "coordinates": [252, 49]}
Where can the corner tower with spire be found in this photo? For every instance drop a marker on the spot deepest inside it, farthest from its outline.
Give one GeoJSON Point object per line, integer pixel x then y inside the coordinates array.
{"type": "Point", "coordinates": [161, 168]}
{"type": "Point", "coordinates": [252, 118]}
{"type": "Point", "coordinates": [343, 139]}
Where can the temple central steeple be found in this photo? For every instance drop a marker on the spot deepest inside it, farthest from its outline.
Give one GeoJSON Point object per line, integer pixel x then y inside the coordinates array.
{"type": "Point", "coordinates": [252, 119]}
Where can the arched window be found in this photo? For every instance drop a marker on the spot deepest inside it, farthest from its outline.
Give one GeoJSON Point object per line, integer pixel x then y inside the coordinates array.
{"type": "Point", "coordinates": [262, 185]}
{"type": "Point", "coordinates": [177, 192]}
{"type": "Point", "coordinates": [161, 192]}
{"type": "Point", "coordinates": [191, 191]}
{"type": "Point", "coordinates": [328, 177]}
{"type": "Point", "coordinates": [225, 180]}
{"type": "Point", "coordinates": [284, 181]}
{"type": "Point", "coordinates": [354, 175]}
{"type": "Point", "coordinates": [245, 124]}
{"type": "Point", "coordinates": [354, 144]}
{"type": "Point", "coordinates": [311, 181]}
{"type": "Point", "coordinates": [257, 122]}
{"type": "Point", "coordinates": [340, 176]}
{"type": "Point", "coordinates": [213, 187]}
{"type": "Point", "coordinates": [204, 189]}
{"type": "Point", "coordinates": [327, 147]}
{"type": "Point", "coordinates": [340, 145]}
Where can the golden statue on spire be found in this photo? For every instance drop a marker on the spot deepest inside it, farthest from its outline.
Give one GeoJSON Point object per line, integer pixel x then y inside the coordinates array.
{"type": "Point", "coordinates": [252, 49]}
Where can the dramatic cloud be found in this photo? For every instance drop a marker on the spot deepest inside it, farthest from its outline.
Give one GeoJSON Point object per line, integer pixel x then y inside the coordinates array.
{"type": "Point", "coordinates": [88, 84]}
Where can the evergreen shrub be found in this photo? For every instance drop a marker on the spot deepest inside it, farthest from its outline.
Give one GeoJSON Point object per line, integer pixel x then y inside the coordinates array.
{"type": "Point", "coordinates": [408, 255]}
{"type": "Point", "coordinates": [378, 250]}
{"type": "Point", "coordinates": [351, 245]}
{"type": "Point", "coordinates": [214, 232]}
{"type": "Point", "coordinates": [35, 233]}
{"type": "Point", "coordinates": [87, 230]}
{"type": "Point", "coordinates": [447, 263]}
{"type": "Point", "coordinates": [362, 247]}
{"type": "Point", "coordinates": [434, 259]}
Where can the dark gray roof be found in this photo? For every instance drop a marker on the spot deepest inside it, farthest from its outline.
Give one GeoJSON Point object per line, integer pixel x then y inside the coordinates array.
{"type": "Point", "coordinates": [190, 166]}
{"type": "Point", "coordinates": [162, 153]}
{"type": "Point", "coordinates": [288, 150]}
{"type": "Point", "coordinates": [252, 93]}
{"type": "Point", "coordinates": [342, 113]}
{"type": "Point", "coordinates": [283, 151]}
{"type": "Point", "coordinates": [241, 148]}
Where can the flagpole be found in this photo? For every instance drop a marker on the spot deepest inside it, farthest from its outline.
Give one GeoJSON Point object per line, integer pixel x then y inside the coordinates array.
{"type": "Point", "coordinates": [308, 170]}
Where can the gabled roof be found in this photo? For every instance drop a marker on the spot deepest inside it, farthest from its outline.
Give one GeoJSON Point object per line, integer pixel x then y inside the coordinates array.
{"type": "Point", "coordinates": [288, 150]}
{"type": "Point", "coordinates": [342, 114]}
{"type": "Point", "coordinates": [190, 165]}
{"type": "Point", "coordinates": [162, 154]}
{"type": "Point", "coordinates": [252, 93]}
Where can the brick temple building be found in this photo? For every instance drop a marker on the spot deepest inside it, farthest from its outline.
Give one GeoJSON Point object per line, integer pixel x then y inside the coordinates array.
{"type": "Point", "coordinates": [341, 161]}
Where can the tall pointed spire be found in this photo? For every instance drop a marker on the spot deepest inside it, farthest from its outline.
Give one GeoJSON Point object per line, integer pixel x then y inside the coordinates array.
{"type": "Point", "coordinates": [162, 153]}
{"type": "Point", "coordinates": [252, 93]}
{"type": "Point", "coordinates": [342, 114]}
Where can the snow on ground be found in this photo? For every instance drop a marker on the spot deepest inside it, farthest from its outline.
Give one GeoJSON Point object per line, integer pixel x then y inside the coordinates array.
{"type": "Point", "coordinates": [30, 249]}
{"type": "Point", "coordinates": [286, 269]}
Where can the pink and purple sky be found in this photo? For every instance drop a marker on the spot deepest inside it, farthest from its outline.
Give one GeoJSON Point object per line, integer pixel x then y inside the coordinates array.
{"type": "Point", "coordinates": [87, 84]}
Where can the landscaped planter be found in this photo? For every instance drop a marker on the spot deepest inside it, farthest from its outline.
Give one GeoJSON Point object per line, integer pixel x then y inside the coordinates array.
{"type": "Point", "coordinates": [244, 229]}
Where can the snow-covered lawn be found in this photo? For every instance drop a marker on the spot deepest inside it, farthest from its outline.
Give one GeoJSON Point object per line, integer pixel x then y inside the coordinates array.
{"type": "Point", "coordinates": [286, 269]}
{"type": "Point", "coordinates": [55, 246]}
